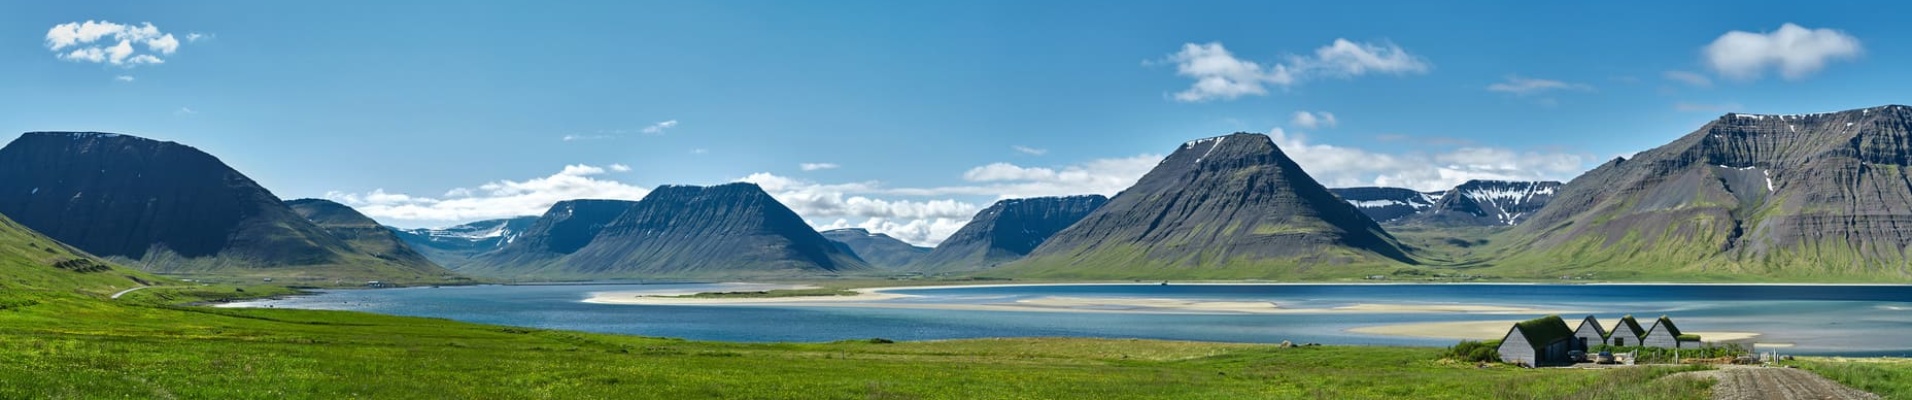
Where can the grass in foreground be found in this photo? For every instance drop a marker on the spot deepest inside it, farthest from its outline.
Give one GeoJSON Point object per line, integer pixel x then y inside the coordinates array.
{"type": "Point", "coordinates": [1887, 377]}
{"type": "Point", "coordinates": [770, 293]}
{"type": "Point", "coordinates": [76, 347]}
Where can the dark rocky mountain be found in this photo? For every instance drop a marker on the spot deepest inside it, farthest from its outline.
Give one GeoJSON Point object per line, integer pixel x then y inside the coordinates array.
{"type": "Point", "coordinates": [879, 250]}
{"type": "Point", "coordinates": [1814, 196]}
{"type": "Point", "coordinates": [1386, 204]}
{"type": "Point", "coordinates": [33, 262]}
{"type": "Point", "coordinates": [1225, 207]}
{"type": "Point", "coordinates": [1474, 203]}
{"type": "Point", "coordinates": [730, 230]}
{"type": "Point", "coordinates": [1007, 231]}
{"type": "Point", "coordinates": [358, 231]}
{"type": "Point", "coordinates": [167, 207]}
{"type": "Point", "coordinates": [452, 246]}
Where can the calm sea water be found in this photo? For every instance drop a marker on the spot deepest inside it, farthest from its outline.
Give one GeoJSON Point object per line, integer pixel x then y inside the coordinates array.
{"type": "Point", "coordinates": [1825, 320]}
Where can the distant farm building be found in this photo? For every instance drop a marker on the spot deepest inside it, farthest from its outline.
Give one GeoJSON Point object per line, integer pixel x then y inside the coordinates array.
{"type": "Point", "coordinates": [1538, 342]}
{"type": "Point", "coordinates": [1589, 334]}
{"type": "Point", "coordinates": [1627, 333]}
{"type": "Point", "coordinates": [1665, 334]}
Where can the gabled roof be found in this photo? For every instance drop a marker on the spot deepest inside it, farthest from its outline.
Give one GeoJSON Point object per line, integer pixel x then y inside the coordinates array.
{"type": "Point", "coordinates": [1668, 323]}
{"type": "Point", "coordinates": [1597, 329]}
{"type": "Point", "coordinates": [1543, 331]}
{"type": "Point", "coordinates": [1629, 322]}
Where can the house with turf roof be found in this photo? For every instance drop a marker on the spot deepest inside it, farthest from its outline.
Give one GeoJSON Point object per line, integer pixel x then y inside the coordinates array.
{"type": "Point", "coordinates": [1589, 334]}
{"type": "Point", "coordinates": [1538, 342]}
{"type": "Point", "coordinates": [1627, 333]}
{"type": "Point", "coordinates": [1664, 334]}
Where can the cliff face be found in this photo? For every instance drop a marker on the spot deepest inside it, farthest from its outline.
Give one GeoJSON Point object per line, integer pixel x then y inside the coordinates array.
{"type": "Point", "coordinates": [1226, 207]}
{"type": "Point", "coordinates": [166, 207]}
{"type": "Point", "coordinates": [1007, 231]}
{"type": "Point", "coordinates": [1814, 195]}
{"type": "Point", "coordinates": [676, 231]}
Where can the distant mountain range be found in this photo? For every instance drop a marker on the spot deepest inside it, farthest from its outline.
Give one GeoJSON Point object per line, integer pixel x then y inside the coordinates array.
{"type": "Point", "coordinates": [1007, 231]}
{"type": "Point", "coordinates": [1227, 207]}
{"type": "Point", "coordinates": [879, 250]}
{"type": "Point", "coordinates": [729, 230]}
{"type": "Point", "coordinates": [167, 207]}
{"type": "Point", "coordinates": [453, 246]}
{"type": "Point", "coordinates": [1813, 197]}
{"type": "Point", "coordinates": [1474, 203]}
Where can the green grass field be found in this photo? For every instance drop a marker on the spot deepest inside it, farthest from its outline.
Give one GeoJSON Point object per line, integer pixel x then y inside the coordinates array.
{"type": "Point", "coordinates": [70, 346]}
{"type": "Point", "coordinates": [1887, 377]}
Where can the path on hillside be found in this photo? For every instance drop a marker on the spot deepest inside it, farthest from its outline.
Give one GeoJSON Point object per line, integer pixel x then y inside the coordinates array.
{"type": "Point", "coordinates": [123, 292]}
{"type": "Point", "coordinates": [1762, 383]}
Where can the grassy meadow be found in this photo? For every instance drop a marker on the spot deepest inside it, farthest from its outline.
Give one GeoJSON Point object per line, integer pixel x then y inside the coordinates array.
{"type": "Point", "coordinates": [141, 346]}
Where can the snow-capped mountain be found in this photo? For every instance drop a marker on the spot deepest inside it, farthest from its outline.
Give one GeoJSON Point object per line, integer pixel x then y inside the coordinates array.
{"type": "Point", "coordinates": [453, 245]}
{"type": "Point", "coordinates": [1474, 203]}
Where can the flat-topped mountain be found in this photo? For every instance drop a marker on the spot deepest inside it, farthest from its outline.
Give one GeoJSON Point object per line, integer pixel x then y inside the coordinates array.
{"type": "Point", "coordinates": [1007, 231]}
{"type": "Point", "coordinates": [1387, 204]}
{"type": "Point", "coordinates": [1813, 196]}
{"type": "Point", "coordinates": [452, 246]}
{"type": "Point", "coordinates": [1225, 207]}
{"type": "Point", "coordinates": [167, 207]}
{"type": "Point", "coordinates": [879, 250]}
{"type": "Point", "coordinates": [729, 230]}
{"type": "Point", "coordinates": [1473, 203]}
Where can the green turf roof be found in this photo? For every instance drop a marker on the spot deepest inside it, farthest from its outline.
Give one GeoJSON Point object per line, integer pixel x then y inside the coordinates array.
{"type": "Point", "coordinates": [1541, 331]}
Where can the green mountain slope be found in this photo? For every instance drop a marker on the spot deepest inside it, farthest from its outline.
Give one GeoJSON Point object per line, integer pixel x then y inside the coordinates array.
{"type": "Point", "coordinates": [31, 262]}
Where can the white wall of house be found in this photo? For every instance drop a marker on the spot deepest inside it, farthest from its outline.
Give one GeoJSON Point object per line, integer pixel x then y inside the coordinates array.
{"type": "Point", "coordinates": [1514, 348]}
{"type": "Point", "coordinates": [1590, 333]}
{"type": "Point", "coordinates": [1658, 336]}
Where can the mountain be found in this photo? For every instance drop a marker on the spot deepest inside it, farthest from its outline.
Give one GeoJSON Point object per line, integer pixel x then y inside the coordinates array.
{"type": "Point", "coordinates": [33, 262]}
{"type": "Point", "coordinates": [1793, 197]}
{"type": "Point", "coordinates": [1007, 231]}
{"type": "Point", "coordinates": [455, 245]}
{"type": "Point", "coordinates": [363, 234]}
{"type": "Point", "coordinates": [1474, 203]}
{"type": "Point", "coordinates": [730, 230]}
{"type": "Point", "coordinates": [1228, 207]}
{"type": "Point", "coordinates": [167, 207]}
{"type": "Point", "coordinates": [1387, 204]}
{"type": "Point", "coordinates": [879, 250]}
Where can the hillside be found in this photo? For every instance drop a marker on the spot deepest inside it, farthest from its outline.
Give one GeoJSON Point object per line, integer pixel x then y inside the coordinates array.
{"type": "Point", "coordinates": [1815, 197]}
{"type": "Point", "coordinates": [170, 208]}
{"type": "Point", "coordinates": [455, 245]}
{"type": "Point", "coordinates": [730, 230]}
{"type": "Point", "coordinates": [879, 250]}
{"type": "Point", "coordinates": [360, 232]}
{"type": "Point", "coordinates": [1229, 207]}
{"type": "Point", "coordinates": [1007, 231]}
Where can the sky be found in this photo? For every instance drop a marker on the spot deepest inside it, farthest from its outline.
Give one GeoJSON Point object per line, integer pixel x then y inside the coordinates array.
{"type": "Point", "coordinates": [909, 117]}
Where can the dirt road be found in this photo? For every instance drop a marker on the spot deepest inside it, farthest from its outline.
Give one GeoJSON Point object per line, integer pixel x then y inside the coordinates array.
{"type": "Point", "coordinates": [1759, 383]}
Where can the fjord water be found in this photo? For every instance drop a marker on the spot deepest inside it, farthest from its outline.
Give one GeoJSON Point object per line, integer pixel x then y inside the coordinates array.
{"type": "Point", "coordinates": [1823, 320]}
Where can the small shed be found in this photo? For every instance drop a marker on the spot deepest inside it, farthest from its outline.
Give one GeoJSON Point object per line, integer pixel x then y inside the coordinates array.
{"type": "Point", "coordinates": [1589, 334]}
{"type": "Point", "coordinates": [1538, 342]}
{"type": "Point", "coordinates": [1666, 335]}
{"type": "Point", "coordinates": [1627, 333]}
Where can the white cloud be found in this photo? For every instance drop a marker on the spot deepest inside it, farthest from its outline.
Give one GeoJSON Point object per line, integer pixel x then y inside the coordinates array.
{"type": "Point", "coordinates": [1337, 166]}
{"type": "Point", "coordinates": [195, 37]}
{"type": "Point", "coordinates": [498, 199]}
{"type": "Point", "coordinates": [1312, 120]}
{"type": "Point", "coordinates": [816, 166]}
{"type": "Point", "coordinates": [1029, 150]}
{"type": "Point", "coordinates": [1794, 50]}
{"type": "Point", "coordinates": [1704, 107]}
{"type": "Point", "coordinates": [1520, 86]}
{"type": "Point", "coordinates": [1693, 79]}
{"type": "Point", "coordinates": [920, 232]}
{"type": "Point", "coordinates": [659, 128]}
{"type": "Point", "coordinates": [577, 137]}
{"type": "Point", "coordinates": [1219, 75]}
{"type": "Point", "coordinates": [700, 151]}
{"type": "Point", "coordinates": [123, 78]}
{"type": "Point", "coordinates": [110, 43]}
{"type": "Point", "coordinates": [620, 168]}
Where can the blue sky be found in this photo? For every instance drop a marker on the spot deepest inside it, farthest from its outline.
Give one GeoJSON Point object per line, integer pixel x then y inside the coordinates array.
{"type": "Point", "coordinates": [912, 115]}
